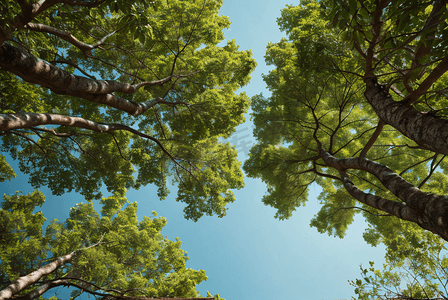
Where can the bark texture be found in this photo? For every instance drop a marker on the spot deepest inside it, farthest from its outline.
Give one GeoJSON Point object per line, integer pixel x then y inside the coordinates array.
{"type": "Point", "coordinates": [37, 71]}
{"type": "Point", "coordinates": [33, 277]}
{"type": "Point", "coordinates": [430, 211]}
{"type": "Point", "coordinates": [42, 289]}
{"type": "Point", "coordinates": [24, 281]}
{"type": "Point", "coordinates": [428, 131]}
{"type": "Point", "coordinates": [23, 120]}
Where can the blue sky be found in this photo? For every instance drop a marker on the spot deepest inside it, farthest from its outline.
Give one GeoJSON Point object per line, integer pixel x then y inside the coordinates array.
{"type": "Point", "coordinates": [248, 254]}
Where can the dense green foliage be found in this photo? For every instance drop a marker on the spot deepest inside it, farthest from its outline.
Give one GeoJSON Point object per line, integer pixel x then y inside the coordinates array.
{"type": "Point", "coordinates": [318, 106]}
{"type": "Point", "coordinates": [122, 95]}
{"type": "Point", "coordinates": [133, 258]}
{"type": "Point", "coordinates": [164, 55]}
{"type": "Point", "coordinates": [301, 90]}
{"type": "Point", "coordinates": [113, 95]}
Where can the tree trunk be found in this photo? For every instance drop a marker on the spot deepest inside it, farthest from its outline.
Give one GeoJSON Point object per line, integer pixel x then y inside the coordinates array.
{"type": "Point", "coordinates": [24, 281]}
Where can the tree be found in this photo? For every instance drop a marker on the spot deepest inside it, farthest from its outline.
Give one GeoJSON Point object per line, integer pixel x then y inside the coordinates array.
{"type": "Point", "coordinates": [123, 94]}
{"type": "Point", "coordinates": [112, 256]}
{"type": "Point", "coordinates": [358, 106]}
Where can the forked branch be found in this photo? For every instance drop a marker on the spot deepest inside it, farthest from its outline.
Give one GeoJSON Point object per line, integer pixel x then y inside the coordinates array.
{"type": "Point", "coordinates": [68, 37]}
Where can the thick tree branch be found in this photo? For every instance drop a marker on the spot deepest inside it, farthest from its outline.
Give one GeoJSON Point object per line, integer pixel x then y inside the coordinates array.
{"type": "Point", "coordinates": [24, 281]}
{"type": "Point", "coordinates": [430, 211]}
{"type": "Point", "coordinates": [394, 208]}
{"type": "Point", "coordinates": [428, 131]}
{"type": "Point", "coordinates": [34, 70]}
{"type": "Point", "coordinates": [30, 11]}
{"type": "Point", "coordinates": [41, 290]}
{"type": "Point", "coordinates": [23, 120]}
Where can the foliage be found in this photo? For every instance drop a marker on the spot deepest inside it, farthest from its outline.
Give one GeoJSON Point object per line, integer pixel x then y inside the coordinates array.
{"type": "Point", "coordinates": [415, 267]}
{"type": "Point", "coordinates": [352, 113]}
{"type": "Point", "coordinates": [133, 258]}
{"type": "Point", "coordinates": [123, 94]}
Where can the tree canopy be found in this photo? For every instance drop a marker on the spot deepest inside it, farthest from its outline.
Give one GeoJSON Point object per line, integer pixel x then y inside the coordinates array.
{"type": "Point", "coordinates": [358, 106]}
{"type": "Point", "coordinates": [122, 94]}
{"type": "Point", "coordinates": [113, 95]}
{"type": "Point", "coordinates": [113, 256]}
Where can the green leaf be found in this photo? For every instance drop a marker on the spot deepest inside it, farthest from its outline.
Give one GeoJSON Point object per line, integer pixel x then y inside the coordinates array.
{"type": "Point", "coordinates": [353, 6]}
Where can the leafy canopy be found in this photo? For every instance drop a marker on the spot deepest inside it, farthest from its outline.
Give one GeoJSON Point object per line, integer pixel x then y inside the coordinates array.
{"type": "Point", "coordinates": [329, 121]}
{"type": "Point", "coordinates": [123, 94]}
{"type": "Point", "coordinates": [133, 258]}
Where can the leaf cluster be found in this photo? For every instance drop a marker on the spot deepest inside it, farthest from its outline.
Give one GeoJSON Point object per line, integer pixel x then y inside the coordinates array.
{"type": "Point", "coordinates": [415, 265]}
{"type": "Point", "coordinates": [133, 258]}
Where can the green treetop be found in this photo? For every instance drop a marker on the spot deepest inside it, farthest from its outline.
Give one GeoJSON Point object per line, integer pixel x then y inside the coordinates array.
{"type": "Point", "coordinates": [358, 107]}
{"type": "Point", "coordinates": [123, 94]}
{"type": "Point", "coordinates": [113, 255]}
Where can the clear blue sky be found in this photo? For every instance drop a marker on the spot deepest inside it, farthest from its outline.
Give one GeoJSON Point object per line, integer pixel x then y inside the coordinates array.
{"type": "Point", "coordinates": [248, 254]}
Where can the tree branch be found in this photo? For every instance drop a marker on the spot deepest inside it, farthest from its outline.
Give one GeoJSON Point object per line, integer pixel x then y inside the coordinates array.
{"type": "Point", "coordinates": [372, 139]}
{"type": "Point", "coordinates": [41, 290]}
{"type": "Point", "coordinates": [438, 71]}
{"type": "Point", "coordinates": [360, 208]}
{"type": "Point", "coordinates": [54, 62]}
{"type": "Point", "coordinates": [26, 120]}
{"type": "Point", "coordinates": [376, 29]}
{"type": "Point", "coordinates": [431, 171]}
{"type": "Point", "coordinates": [24, 281]}
{"type": "Point", "coordinates": [431, 209]}
{"type": "Point", "coordinates": [431, 22]}
{"type": "Point", "coordinates": [86, 49]}
{"type": "Point", "coordinates": [34, 70]}
{"type": "Point", "coordinates": [394, 208]}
